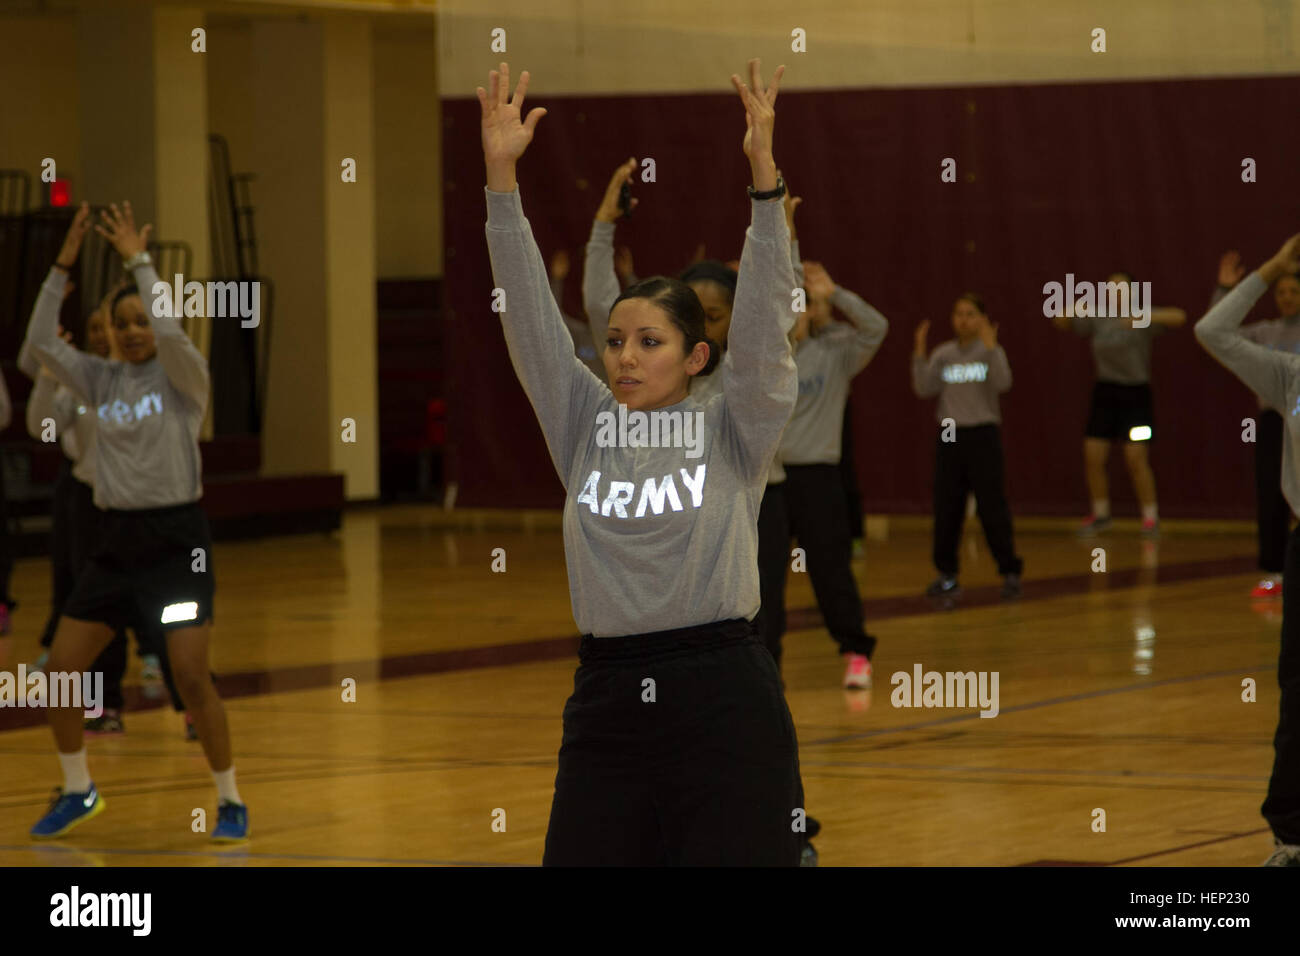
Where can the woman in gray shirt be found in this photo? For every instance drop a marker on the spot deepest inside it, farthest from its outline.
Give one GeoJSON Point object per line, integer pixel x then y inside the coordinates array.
{"type": "Point", "coordinates": [1275, 377]}
{"type": "Point", "coordinates": [678, 746]}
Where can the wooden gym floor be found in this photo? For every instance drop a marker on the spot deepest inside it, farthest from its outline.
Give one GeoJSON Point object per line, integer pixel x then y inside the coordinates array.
{"type": "Point", "coordinates": [1120, 691]}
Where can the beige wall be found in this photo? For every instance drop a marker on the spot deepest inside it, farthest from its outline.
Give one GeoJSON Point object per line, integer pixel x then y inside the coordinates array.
{"type": "Point", "coordinates": [349, 263]}
{"type": "Point", "coordinates": [230, 87]}
{"type": "Point", "coordinates": [408, 151]}
{"type": "Point", "coordinates": [40, 116]}
{"type": "Point", "coordinates": [619, 46]}
{"type": "Point", "coordinates": [288, 142]}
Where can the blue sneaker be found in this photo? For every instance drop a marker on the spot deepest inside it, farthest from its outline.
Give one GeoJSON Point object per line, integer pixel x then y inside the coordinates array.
{"type": "Point", "coordinates": [232, 823]}
{"type": "Point", "coordinates": [67, 811]}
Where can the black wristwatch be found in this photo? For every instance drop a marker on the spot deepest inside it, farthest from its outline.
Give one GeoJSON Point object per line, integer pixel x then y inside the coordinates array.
{"type": "Point", "coordinates": [776, 193]}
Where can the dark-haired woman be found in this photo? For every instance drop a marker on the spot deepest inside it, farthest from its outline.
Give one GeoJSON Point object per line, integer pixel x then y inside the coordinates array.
{"type": "Point", "coordinates": [1272, 513]}
{"type": "Point", "coordinates": [968, 374]}
{"type": "Point", "coordinates": [713, 282]}
{"type": "Point", "coordinates": [76, 520]}
{"type": "Point", "coordinates": [810, 503]}
{"type": "Point", "coordinates": [1275, 377]}
{"type": "Point", "coordinates": [153, 560]}
{"type": "Point", "coordinates": [1121, 406]}
{"type": "Point", "coordinates": [678, 746]}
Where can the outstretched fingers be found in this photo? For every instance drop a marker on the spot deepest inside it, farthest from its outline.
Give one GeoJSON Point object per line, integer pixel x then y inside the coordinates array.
{"type": "Point", "coordinates": [503, 86]}
{"type": "Point", "coordinates": [774, 86]}
{"type": "Point", "coordinates": [533, 119]}
{"type": "Point", "coordinates": [521, 90]}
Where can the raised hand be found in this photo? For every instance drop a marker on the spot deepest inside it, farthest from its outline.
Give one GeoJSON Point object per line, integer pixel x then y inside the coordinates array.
{"type": "Point", "coordinates": [609, 211]}
{"type": "Point", "coordinates": [1230, 270]}
{"type": "Point", "coordinates": [1285, 262]}
{"type": "Point", "coordinates": [505, 134]}
{"type": "Point", "coordinates": [988, 333]}
{"type": "Point", "coordinates": [760, 118]}
{"type": "Point", "coordinates": [922, 331]}
{"type": "Point", "coordinates": [67, 256]}
{"type": "Point", "coordinates": [560, 265]}
{"type": "Point", "coordinates": [119, 229]}
{"type": "Point", "coordinates": [623, 260]}
{"type": "Point", "coordinates": [817, 280]}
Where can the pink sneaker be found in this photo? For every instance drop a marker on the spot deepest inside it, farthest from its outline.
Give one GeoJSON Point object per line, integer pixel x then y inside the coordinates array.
{"type": "Point", "coordinates": [857, 676]}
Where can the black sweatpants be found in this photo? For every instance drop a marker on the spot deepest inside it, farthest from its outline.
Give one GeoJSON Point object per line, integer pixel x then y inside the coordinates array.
{"type": "Point", "coordinates": [810, 505]}
{"type": "Point", "coordinates": [1272, 513]}
{"type": "Point", "coordinates": [1281, 808]}
{"type": "Point", "coordinates": [972, 463]}
{"type": "Point", "coordinates": [849, 475]}
{"type": "Point", "coordinates": [678, 750]}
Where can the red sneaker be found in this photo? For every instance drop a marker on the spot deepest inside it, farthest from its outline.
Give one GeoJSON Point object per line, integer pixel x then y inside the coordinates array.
{"type": "Point", "coordinates": [1092, 526]}
{"type": "Point", "coordinates": [1267, 588]}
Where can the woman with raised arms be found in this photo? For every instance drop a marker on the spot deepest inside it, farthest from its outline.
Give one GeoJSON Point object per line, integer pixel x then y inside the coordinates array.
{"type": "Point", "coordinates": [678, 747]}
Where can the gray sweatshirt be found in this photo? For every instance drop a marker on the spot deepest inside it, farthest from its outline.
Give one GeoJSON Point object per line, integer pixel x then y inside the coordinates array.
{"type": "Point", "coordinates": [654, 539]}
{"type": "Point", "coordinates": [827, 364]}
{"type": "Point", "coordinates": [1122, 353]}
{"type": "Point", "coordinates": [149, 414]}
{"type": "Point", "coordinates": [1283, 333]}
{"type": "Point", "coordinates": [967, 380]}
{"type": "Point", "coordinates": [73, 426]}
{"type": "Point", "coordinates": [583, 346]}
{"type": "Point", "coordinates": [74, 429]}
{"type": "Point", "coordinates": [1272, 374]}
{"type": "Point", "coordinates": [599, 280]}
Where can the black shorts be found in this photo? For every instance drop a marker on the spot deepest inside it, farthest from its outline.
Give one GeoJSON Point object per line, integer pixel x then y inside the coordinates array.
{"type": "Point", "coordinates": [706, 773]}
{"type": "Point", "coordinates": [141, 573]}
{"type": "Point", "coordinates": [1117, 410]}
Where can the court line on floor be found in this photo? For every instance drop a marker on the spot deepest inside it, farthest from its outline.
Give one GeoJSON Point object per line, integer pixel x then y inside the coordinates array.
{"type": "Point", "coordinates": [1148, 856]}
{"type": "Point", "coordinates": [317, 676]}
{"type": "Point", "coordinates": [1046, 771]}
{"type": "Point", "coordinates": [1034, 705]}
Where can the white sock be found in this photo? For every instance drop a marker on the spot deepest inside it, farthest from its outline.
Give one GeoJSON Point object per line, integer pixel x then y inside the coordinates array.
{"type": "Point", "coordinates": [1101, 508]}
{"type": "Point", "coordinates": [1148, 512]}
{"type": "Point", "coordinates": [226, 784]}
{"type": "Point", "coordinates": [76, 775]}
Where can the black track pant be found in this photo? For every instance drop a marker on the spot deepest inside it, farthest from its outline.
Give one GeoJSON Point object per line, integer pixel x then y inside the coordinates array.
{"type": "Point", "coordinates": [1282, 806]}
{"type": "Point", "coordinates": [1272, 513]}
{"type": "Point", "coordinates": [849, 475]}
{"type": "Point", "coordinates": [810, 505]}
{"type": "Point", "coordinates": [972, 463]}
{"type": "Point", "coordinates": [678, 750]}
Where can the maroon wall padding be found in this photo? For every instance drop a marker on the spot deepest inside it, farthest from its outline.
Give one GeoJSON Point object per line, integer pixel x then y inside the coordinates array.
{"type": "Point", "coordinates": [1089, 179]}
